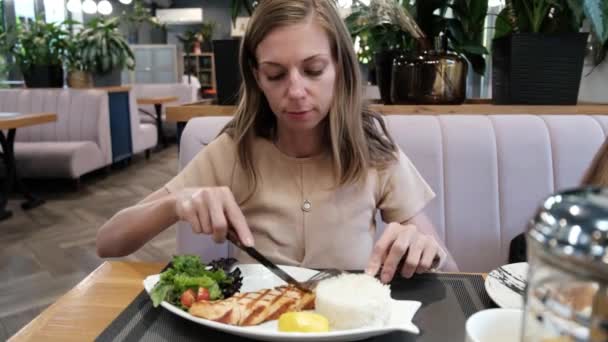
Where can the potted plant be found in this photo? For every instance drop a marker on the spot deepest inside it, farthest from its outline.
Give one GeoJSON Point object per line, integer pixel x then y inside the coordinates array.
{"type": "Point", "coordinates": [206, 35]}
{"type": "Point", "coordinates": [189, 40]}
{"type": "Point", "coordinates": [380, 37]}
{"type": "Point", "coordinates": [38, 49]}
{"type": "Point", "coordinates": [410, 40]}
{"type": "Point", "coordinates": [137, 16]}
{"type": "Point", "coordinates": [78, 72]}
{"type": "Point", "coordinates": [105, 51]}
{"type": "Point", "coordinates": [3, 50]}
{"type": "Point", "coordinates": [538, 50]}
{"type": "Point", "coordinates": [239, 5]}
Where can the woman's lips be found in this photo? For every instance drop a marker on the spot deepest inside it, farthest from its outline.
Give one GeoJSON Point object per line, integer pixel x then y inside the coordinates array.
{"type": "Point", "coordinates": [300, 114]}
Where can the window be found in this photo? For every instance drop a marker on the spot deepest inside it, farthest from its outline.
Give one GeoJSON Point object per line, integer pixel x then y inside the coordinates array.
{"type": "Point", "coordinates": [2, 14]}
{"type": "Point", "coordinates": [25, 9]}
{"type": "Point", "coordinates": [3, 64]}
{"type": "Point", "coordinates": [54, 11]}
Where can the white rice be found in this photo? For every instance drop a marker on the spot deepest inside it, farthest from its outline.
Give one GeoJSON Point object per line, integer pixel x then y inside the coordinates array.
{"type": "Point", "coordinates": [352, 301]}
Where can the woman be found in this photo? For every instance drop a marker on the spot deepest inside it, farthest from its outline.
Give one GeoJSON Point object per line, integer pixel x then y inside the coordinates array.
{"type": "Point", "coordinates": [597, 173]}
{"type": "Point", "coordinates": [595, 176]}
{"type": "Point", "coordinates": [302, 167]}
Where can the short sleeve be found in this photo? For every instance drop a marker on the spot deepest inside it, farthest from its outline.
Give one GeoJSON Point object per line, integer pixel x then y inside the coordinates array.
{"type": "Point", "coordinates": [212, 166]}
{"type": "Point", "coordinates": [403, 191]}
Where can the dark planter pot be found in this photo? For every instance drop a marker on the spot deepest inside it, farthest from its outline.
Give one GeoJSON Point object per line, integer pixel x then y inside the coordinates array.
{"type": "Point", "coordinates": [133, 36]}
{"type": "Point", "coordinates": [44, 76]}
{"type": "Point", "coordinates": [206, 46]}
{"type": "Point", "coordinates": [110, 79]}
{"type": "Point", "coordinates": [429, 78]}
{"type": "Point", "coordinates": [227, 77]}
{"type": "Point", "coordinates": [383, 61]}
{"type": "Point", "coordinates": [537, 69]}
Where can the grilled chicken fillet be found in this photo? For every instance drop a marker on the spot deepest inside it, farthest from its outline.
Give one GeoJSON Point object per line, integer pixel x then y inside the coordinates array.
{"type": "Point", "coordinates": [253, 308]}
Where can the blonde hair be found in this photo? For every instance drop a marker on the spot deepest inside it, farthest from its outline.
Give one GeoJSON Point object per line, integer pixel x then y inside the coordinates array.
{"type": "Point", "coordinates": [597, 173]}
{"type": "Point", "coordinates": [358, 137]}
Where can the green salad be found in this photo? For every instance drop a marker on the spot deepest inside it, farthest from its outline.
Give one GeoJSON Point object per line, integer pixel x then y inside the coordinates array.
{"type": "Point", "coordinates": [187, 280]}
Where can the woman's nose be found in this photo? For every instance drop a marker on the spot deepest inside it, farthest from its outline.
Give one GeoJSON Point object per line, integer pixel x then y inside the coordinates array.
{"type": "Point", "coordinates": [296, 88]}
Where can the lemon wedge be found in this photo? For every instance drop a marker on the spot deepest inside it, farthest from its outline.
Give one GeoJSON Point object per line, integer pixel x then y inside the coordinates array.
{"type": "Point", "coordinates": [304, 321]}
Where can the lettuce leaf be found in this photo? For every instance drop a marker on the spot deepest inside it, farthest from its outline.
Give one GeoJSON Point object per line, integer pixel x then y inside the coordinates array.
{"type": "Point", "coordinates": [159, 292]}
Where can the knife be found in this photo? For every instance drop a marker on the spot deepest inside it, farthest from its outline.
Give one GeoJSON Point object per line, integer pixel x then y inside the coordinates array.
{"type": "Point", "coordinates": [252, 252]}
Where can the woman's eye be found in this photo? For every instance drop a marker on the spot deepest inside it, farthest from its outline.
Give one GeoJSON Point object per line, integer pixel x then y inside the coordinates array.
{"type": "Point", "coordinates": [275, 77]}
{"type": "Point", "coordinates": [315, 72]}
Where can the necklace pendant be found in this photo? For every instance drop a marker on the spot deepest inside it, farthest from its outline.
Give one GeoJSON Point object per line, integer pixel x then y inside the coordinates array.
{"type": "Point", "coordinates": [306, 206]}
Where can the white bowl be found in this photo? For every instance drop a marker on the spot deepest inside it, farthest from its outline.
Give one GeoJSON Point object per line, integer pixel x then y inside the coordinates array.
{"type": "Point", "coordinates": [495, 325]}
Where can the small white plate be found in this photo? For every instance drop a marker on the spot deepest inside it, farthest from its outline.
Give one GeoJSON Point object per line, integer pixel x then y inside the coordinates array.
{"type": "Point", "coordinates": [499, 285]}
{"type": "Point", "coordinates": [257, 277]}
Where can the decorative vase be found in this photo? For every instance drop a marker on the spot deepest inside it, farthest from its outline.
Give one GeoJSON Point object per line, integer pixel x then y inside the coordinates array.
{"type": "Point", "coordinates": [383, 61]}
{"type": "Point", "coordinates": [80, 79]}
{"type": "Point", "coordinates": [196, 48]}
{"type": "Point", "coordinates": [206, 46]}
{"type": "Point", "coordinates": [430, 77]}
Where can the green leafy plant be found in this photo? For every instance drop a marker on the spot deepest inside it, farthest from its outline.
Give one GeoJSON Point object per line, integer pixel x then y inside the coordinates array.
{"type": "Point", "coordinates": [555, 16]}
{"type": "Point", "coordinates": [400, 24]}
{"type": "Point", "coordinates": [552, 16]}
{"type": "Point", "coordinates": [465, 31]}
{"type": "Point", "coordinates": [4, 67]}
{"type": "Point", "coordinates": [136, 15]}
{"type": "Point", "coordinates": [376, 28]}
{"type": "Point", "coordinates": [104, 48]}
{"type": "Point", "coordinates": [206, 31]}
{"type": "Point", "coordinates": [238, 5]}
{"type": "Point", "coordinates": [140, 14]}
{"type": "Point", "coordinates": [188, 39]}
{"type": "Point", "coordinates": [35, 44]}
{"type": "Point", "coordinates": [74, 49]}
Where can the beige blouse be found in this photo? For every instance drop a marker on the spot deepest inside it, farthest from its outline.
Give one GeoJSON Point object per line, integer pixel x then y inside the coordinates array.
{"type": "Point", "coordinates": [338, 230]}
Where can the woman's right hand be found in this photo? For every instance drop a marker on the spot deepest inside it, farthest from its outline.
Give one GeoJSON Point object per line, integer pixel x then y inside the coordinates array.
{"type": "Point", "coordinates": [212, 211]}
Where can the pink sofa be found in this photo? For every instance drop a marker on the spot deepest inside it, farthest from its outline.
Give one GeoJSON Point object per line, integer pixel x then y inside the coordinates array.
{"type": "Point", "coordinates": [79, 141]}
{"type": "Point", "coordinates": [186, 93]}
{"type": "Point", "coordinates": [489, 172]}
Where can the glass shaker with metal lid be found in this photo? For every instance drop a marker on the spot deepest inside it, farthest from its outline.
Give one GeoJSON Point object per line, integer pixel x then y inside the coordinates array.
{"type": "Point", "coordinates": [567, 297]}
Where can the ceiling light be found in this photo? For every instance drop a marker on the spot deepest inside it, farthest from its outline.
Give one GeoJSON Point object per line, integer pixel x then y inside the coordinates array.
{"type": "Point", "coordinates": [74, 6]}
{"type": "Point", "coordinates": [126, 2]}
{"type": "Point", "coordinates": [104, 7]}
{"type": "Point", "coordinates": [89, 7]}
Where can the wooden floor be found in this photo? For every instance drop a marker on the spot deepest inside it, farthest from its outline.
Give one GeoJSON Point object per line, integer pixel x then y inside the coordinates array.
{"type": "Point", "coordinates": [46, 251]}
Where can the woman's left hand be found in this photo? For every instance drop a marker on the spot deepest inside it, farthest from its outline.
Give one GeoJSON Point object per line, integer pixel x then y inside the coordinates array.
{"type": "Point", "coordinates": [399, 241]}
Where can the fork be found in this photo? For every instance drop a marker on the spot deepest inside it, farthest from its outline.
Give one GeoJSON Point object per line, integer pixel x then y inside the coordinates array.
{"type": "Point", "coordinates": [313, 281]}
{"type": "Point", "coordinates": [324, 274]}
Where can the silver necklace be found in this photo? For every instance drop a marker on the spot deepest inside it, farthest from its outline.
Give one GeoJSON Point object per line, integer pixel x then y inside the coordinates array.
{"type": "Point", "coordinates": [306, 204]}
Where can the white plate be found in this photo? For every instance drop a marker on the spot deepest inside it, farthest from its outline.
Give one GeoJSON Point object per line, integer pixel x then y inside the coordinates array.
{"type": "Point", "coordinates": [500, 292]}
{"type": "Point", "coordinates": [257, 277]}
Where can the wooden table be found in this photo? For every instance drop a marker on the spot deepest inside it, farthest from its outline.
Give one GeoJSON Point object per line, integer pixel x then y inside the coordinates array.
{"type": "Point", "coordinates": [115, 89]}
{"type": "Point", "coordinates": [10, 122]}
{"type": "Point", "coordinates": [158, 108]}
{"type": "Point", "coordinates": [86, 310]}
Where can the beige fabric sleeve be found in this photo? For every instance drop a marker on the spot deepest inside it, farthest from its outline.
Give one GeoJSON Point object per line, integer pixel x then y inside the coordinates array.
{"type": "Point", "coordinates": [212, 166]}
{"type": "Point", "coordinates": [403, 191]}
